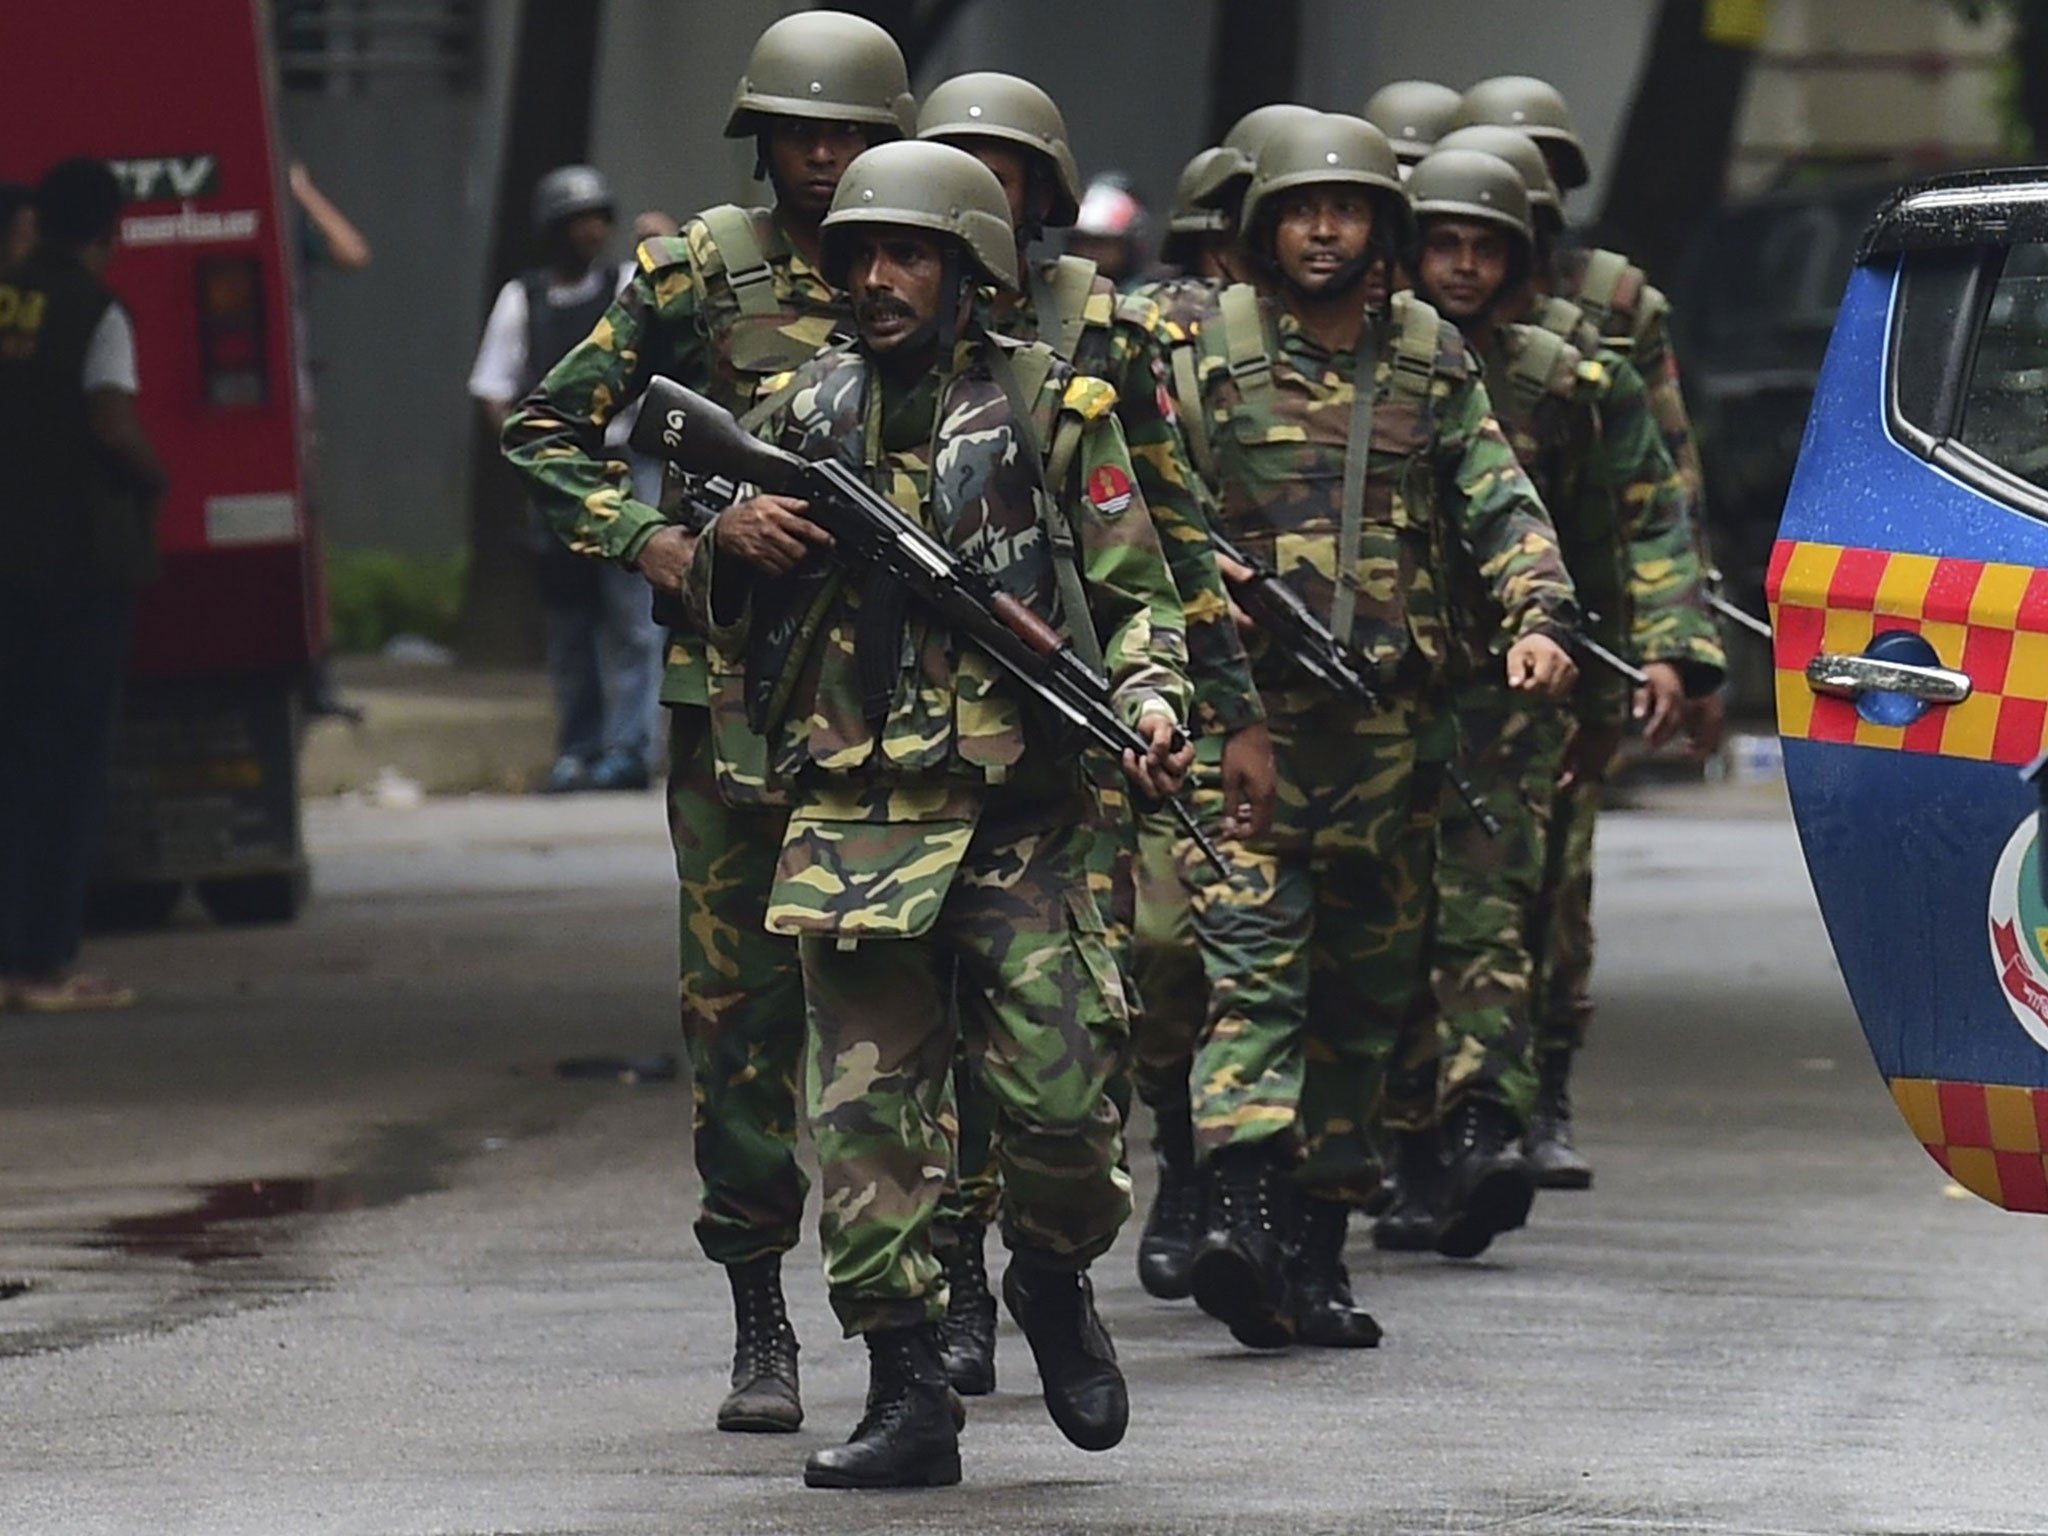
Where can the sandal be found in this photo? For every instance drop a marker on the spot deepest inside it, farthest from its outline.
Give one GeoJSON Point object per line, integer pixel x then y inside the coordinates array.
{"type": "Point", "coordinates": [75, 993]}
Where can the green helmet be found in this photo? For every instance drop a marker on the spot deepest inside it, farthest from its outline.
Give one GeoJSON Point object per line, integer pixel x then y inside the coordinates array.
{"type": "Point", "coordinates": [1326, 147]}
{"type": "Point", "coordinates": [988, 105]}
{"type": "Point", "coordinates": [1209, 186]}
{"type": "Point", "coordinates": [1413, 114]}
{"type": "Point", "coordinates": [1249, 131]}
{"type": "Point", "coordinates": [1537, 109]}
{"type": "Point", "coordinates": [1546, 203]}
{"type": "Point", "coordinates": [824, 64]}
{"type": "Point", "coordinates": [1204, 201]}
{"type": "Point", "coordinates": [926, 186]}
{"type": "Point", "coordinates": [1466, 184]}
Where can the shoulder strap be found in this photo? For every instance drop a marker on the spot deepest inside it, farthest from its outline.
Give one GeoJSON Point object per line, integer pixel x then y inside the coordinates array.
{"type": "Point", "coordinates": [1244, 338]}
{"type": "Point", "coordinates": [1061, 300]}
{"type": "Point", "coordinates": [1535, 364]}
{"type": "Point", "coordinates": [1560, 317]}
{"type": "Point", "coordinates": [731, 228]}
{"type": "Point", "coordinates": [1357, 457]}
{"type": "Point", "coordinates": [1187, 400]}
{"type": "Point", "coordinates": [1416, 346]}
{"type": "Point", "coordinates": [1601, 286]}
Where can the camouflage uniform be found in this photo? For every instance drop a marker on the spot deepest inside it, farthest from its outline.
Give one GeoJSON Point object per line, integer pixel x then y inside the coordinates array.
{"type": "Point", "coordinates": [1315, 945]}
{"type": "Point", "coordinates": [684, 316]}
{"type": "Point", "coordinates": [1633, 316]}
{"type": "Point", "coordinates": [1118, 342]}
{"type": "Point", "coordinates": [1165, 960]}
{"type": "Point", "coordinates": [941, 842]}
{"type": "Point", "coordinates": [1580, 425]}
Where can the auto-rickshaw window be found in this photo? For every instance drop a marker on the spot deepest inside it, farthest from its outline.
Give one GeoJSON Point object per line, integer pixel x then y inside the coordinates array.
{"type": "Point", "coordinates": [2005, 401]}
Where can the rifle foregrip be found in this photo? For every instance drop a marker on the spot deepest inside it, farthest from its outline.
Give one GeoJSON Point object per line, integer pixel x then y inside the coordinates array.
{"type": "Point", "coordinates": [1025, 625]}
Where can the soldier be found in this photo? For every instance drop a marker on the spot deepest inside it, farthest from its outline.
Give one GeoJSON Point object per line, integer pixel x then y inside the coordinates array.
{"type": "Point", "coordinates": [1413, 114]}
{"type": "Point", "coordinates": [1633, 316]}
{"type": "Point", "coordinates": [1580, 425]}
{"type": "Point", "coordinates": [1165, 960]}
{"type": "Point", "coordinates": [737, 297]}
{"type": "Point", "coordinates": [1201, 239]}
{"type": "Point", "coordinates": [1016, 130]}
{"type": "Point", "coordinates": [1314, 944]}
{"type": "Point", "coordinates": [935, 832]}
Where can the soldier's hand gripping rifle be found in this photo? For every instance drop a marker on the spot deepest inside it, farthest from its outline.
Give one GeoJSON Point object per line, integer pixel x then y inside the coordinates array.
{"type": "Point", "coordinates": [1312, 645]}
{"type": "Point", "coordinates": [868, 531]}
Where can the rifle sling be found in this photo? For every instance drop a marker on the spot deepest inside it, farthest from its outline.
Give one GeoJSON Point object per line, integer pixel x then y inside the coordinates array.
{"type": "Point", "coordinates": [1357, 453]}
{"type": "Point", "coordinates": [1053, 463]}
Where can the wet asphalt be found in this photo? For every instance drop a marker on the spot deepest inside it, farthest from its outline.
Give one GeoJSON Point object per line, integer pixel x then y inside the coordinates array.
{"type": "Point", "coordinates": [319, 1239]}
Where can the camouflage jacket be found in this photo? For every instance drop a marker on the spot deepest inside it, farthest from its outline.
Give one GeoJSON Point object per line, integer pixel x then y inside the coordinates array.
{"type": "Point", "coordinates": [885, 799]}
{"type": "Point", "coordinates": [718, 312]}
{"type": "Point", "coordinates": [1633, 316]}
{"type": "Point", "coordinates": [1119, 341]}
{"type": "Point", "coordinates": [1579, 422]}
{"type": "Point", "coordinates": [1439, 472]}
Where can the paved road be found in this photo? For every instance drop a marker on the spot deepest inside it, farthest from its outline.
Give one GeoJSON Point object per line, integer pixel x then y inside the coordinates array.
{"type": "Point", "coordinates": [470, 1302]}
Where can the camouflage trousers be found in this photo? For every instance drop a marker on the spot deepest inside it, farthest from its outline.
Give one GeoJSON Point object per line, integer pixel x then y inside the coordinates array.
{"type": "Point", "coordinates": [1018, 946]}
{"type": "Point", "coordinates": [1490, 894]}
{"type": "Point", "coordinates": [1166, 963]}
{"type": "Point", "coordinates": [1563, 997]}
{"type": "Point", "coordinates": [1315, 947]}
{"type": "Point", "coordinates": [742, 1007]}
{"type": "Point", "coordinates": [974, 1195]}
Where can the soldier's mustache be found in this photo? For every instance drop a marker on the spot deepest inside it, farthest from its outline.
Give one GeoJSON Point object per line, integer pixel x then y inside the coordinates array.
{"type": "Point", "coordinates": [881, 307]}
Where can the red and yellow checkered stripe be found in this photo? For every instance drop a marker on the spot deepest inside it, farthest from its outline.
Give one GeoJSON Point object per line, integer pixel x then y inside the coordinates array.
{"type": "Point", "coordinates": [1991, 1137]}
{"type": "Point", "coordinates": [1988, 620]}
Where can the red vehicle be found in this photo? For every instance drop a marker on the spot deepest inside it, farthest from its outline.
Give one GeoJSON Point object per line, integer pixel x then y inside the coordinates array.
{"type": "Point", "coordinates": [177, 96]}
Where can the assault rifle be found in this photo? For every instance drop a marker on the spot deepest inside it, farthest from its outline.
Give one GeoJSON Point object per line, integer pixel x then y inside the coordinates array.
{"type": "Point", "coordinates": [1312, 645]}
{"type": "Point", "coordinates": [869, 532]}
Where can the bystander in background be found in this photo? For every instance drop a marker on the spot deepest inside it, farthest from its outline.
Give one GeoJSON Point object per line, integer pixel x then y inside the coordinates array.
{"type": "Point", "coordinates": [604, 649]}
{"type": "Point", "coordinates": [79, 487]}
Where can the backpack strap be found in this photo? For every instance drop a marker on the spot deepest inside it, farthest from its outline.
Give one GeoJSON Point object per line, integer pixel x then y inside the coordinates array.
{"type": "Point", "coordinates": [734, 238]}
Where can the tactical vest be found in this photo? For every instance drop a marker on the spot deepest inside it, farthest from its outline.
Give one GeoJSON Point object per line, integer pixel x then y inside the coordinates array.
{"type": "Point", "coordinates": [553, 328]}
{"type": "Point", "coordinates": [62, 515]}
{"type": "Point", "coordinates": [1295, 494]}
{"type": "Point", "coordinates": [930, 708]}
{"type": "Point", "coordinates": [758, 321]}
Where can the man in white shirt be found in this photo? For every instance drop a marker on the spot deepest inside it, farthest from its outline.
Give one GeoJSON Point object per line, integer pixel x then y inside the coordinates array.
{"type": "Point", "coordinates": [604, 647]}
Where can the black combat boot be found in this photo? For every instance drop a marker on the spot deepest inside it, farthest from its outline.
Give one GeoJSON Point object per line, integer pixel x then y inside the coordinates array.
{"type": "Point", "coordinates": [1239, 1276]}
{"type": "Point", "coordinates": [1415, 1179]}
{"type": "Point", "coordinates": [906, 1437]}
{"type": "Point", "coordinates": [1489, 1182]}
{"type": "Point", "coordinates": [1558, 1163]}
{"type": "Point", "coordinates": [1084, 1389]}
{"type": "Point", "coordinates": [764, 1396]}
{"type": "Point", "coordinates": [967, 1333]}
{"type": "Point", "coordinates": [1324, 1313]}
{"type": "Point", "coordinates": [1173, 1227]}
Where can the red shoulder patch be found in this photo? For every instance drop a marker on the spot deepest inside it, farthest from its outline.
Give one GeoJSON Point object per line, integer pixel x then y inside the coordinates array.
{"type": "Point", "coordinates": [1109, 488]}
